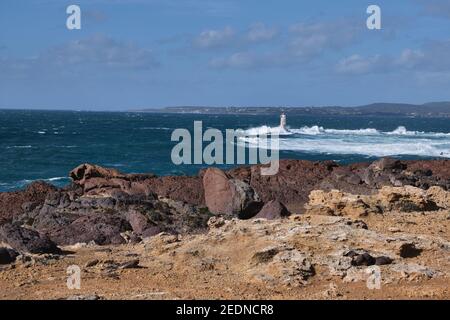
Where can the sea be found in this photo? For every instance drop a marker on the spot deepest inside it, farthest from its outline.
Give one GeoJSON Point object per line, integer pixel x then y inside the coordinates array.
{"type": "Point", "coordinates": [46, 145]}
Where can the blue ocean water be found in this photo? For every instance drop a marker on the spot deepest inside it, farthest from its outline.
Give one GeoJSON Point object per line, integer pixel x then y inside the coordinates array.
{"type": "Point", "coordinates": [46, 145]}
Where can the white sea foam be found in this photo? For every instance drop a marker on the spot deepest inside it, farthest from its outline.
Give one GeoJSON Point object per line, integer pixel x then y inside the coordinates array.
{"type": "Point", "coordinates": [19, 147]}
{"type": "Point", "coordinates": [366, 141]}
{"type": "Point", "coordinates": [265, 130]}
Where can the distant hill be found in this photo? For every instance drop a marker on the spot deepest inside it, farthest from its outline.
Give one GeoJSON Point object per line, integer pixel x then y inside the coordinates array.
{"type": "Point", "coordinates": [432, 110]}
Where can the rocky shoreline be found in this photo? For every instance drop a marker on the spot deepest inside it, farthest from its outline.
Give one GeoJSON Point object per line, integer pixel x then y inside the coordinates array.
{"type": "Point", "coordinates": [311, 222]}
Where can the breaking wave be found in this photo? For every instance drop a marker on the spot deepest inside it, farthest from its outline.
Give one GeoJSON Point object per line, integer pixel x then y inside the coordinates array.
{"type": "Point", "coordinates": [367, 141]}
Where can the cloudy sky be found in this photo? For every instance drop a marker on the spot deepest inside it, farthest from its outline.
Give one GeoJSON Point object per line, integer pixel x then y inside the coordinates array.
{"type": "Point", "coordinates": [153, 53]}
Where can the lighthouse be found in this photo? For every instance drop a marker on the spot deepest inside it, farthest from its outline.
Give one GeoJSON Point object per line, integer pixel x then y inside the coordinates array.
{"type": "Point", "coordinates": [283, 122]}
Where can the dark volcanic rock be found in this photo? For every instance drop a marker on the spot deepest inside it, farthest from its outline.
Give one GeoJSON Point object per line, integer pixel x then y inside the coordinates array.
{"type": "Point", "coordinates": [13, 204]}
{"type": "Point", "coordinates": [273, 210]}
{"type": "Point", "coordinates": [27, 240]}
{"type": "Point", "coordinates": [101, 228]}
{"type": "Point", "coordinates": [365, 259]}
{"type": "Point", "coordinates": [409, 250]}
{"type": "Point", "coordinates": [7, 255]}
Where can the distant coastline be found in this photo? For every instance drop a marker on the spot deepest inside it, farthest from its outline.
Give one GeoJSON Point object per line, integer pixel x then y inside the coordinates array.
{"type": "Point", "coordinates": [427, 110]}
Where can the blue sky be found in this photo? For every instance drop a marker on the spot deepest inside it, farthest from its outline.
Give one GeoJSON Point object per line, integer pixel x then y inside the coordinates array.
{"type": "Point", "coordinates": [154, 53]}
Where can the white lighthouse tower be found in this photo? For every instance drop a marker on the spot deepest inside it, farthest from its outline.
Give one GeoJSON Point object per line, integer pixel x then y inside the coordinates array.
{"type": "Point", "coordinates": [283, 122]}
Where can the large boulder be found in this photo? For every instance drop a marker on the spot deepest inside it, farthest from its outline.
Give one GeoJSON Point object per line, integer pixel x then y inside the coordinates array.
{"type": "Point", "coordinates": [273, 210]}
{"type": "Point", "coordinates": [224, 195]}
{"type": "Point", "coordinates": [26, 240]}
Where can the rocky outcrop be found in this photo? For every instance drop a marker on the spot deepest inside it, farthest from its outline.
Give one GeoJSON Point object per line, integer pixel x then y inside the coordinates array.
{"type": "Point", "coordinates": [291, 186]}
{"type": "Point", "coordinates": [103, 220]}
{"type": "Point", "coordinates": [439, 196]}
{"type": "Point", "coordinates": [107, 207]}
{"type": "Point", "coordinates": [273, 210]}
{"type": "Point", "coordinates": [101, 182]}
{"type": "Point", "coordinates": [15, 203]}
{"type": "Point", "coordinates": [340, 204]}
{"type": "Point", "coordinates": [26, 240]}
{"type": "Point", "coordinates": [224, 195]}
{"type": "Point", "coordinates": [399, 199]}
{"type": "Point", "coordinates": [405, 199]}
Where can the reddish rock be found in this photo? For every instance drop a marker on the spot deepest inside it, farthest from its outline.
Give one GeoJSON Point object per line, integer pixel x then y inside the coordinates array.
{"type": "Point", "coordinates": [291, 186]}
{"type": "Point", "coordinates": [224, 195]}
{"type": "Point", "coordinates": [138, 221]}
{"type": "Point", "coordinates": [88, 171]}
{"type": "Point", "coordinates": [98, 181]}
{"type": "Point", "coordinates": [13, 204]}
{"type": "Point", "coordinates": [218, 193]}
{"type": "Point", "coordinates": [273, 210]}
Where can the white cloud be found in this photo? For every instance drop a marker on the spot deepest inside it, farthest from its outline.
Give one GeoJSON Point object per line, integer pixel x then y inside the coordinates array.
{"type": "Point", "coordinates": [311, 39]}
{"type": "Point", "coordinates": [86, 54]}
{"type": "Point", "coordinates": [433, 56]}
{"type": "Point", "coordinates": [215, 38]}
{"type": "Point", "coordinates": [356, 64]}
{"type": "Point", "coordinates": [259, 32]}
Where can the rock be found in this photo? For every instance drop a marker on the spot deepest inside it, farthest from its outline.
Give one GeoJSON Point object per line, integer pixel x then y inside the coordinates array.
{"type": "Point", "coordinates": [87, 171]}
{"type": "Point", "coordinates": [290, 186]}
{"type": "Point", "coordinates": [265, 256]}
{"type": "Point", "coordinates": [339, 204]}
{"type": "Point", "coordinates": [358, 224]}
{"type": "Point", "coordinates": [92, 263]}
{"type": "Point", "coordinates": [100, 228]}
{"type": "Point", "coordinates": [27, 240]}
{"type": "Point", "coordinates": [138, 221]}
{"type": "Point", "coordinates": [216, 222]}
{"type": "Point", "coordinates": [363, 258]}
{"type": "Point", "coordinates": [87, 297]}
{"type": "Point", "coordinates": [439, 196]}
{"type": "Point", "coordinates": [402, 199]}
{"type": "Point", "coordinates": [151, 231]}
{"type": "Point", "coordinates": [383, 260]}
{"type": "Point", "coordinates": [98, 181]}
{"type": "Point", "coordinates": [409, 250]}
{"type": "Point", "coordinates": [132, 264]}
{"type": "Point", "coordinates": [405, 199]}
{"type": "Point", "coordinates": [13, 204]}
{"type": "Point", "coordinates": [7, 255]}
{"type": "Point", "coordinates": [273, 210]}
{"type": "Point", "coordinates": [412, 271]}
{"type": "Point", "coordinates": [387, 164]}
{"type": "Point", "coordinates": [229, 196]}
